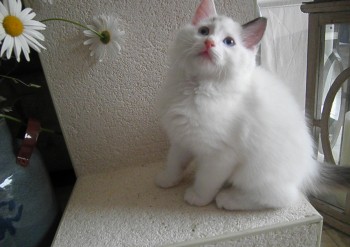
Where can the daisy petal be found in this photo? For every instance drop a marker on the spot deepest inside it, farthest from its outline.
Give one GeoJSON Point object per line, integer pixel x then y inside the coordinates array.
{"type": "Point", "coordinates": [24, 16]}
{"type": "Point", "coordinates": [25, 47]}
{"type": "Point", "coordinates": [13, 7]}
{"type": "Point", "coordinates": [34, 23]}
{"type": "Point", "coordinates": [17, 48]}
{"type": "Point", "coordinates": [34, 44]}
{"type": "Point", "coordinates": [3, 10]}
{"type": "Point", "coordinates": [9, 42]}
{"type": "Point", "coordinates": [35, 34]}
{"type": "Point", "coordinates": [18, 7]}
{"type": "Point", "coordinates": [2, 36]}
{"type": "Point", "coordinates": [2, 33]}
{"type": "Point", "coordinates": [6, 5]}
{"type": "Point", "coordinates": [26, 55]}
{"type": "Point", "coordinates": [88, 42]}
{"type": "Point", "coordinates": [89, 33]}
{"type": "Point", "coordinates": [24, 43]}
{"type": "Point", "coordinates": [6, 45]}
{"type": "Point", "coordinates": [25, 13]}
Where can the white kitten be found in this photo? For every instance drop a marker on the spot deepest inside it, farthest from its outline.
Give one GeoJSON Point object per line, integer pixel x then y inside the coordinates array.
{"type": "Point", "coordinates": [237, 121]}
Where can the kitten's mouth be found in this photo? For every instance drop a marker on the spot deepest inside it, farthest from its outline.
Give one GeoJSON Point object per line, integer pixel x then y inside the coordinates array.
{"type": "Point", "coordinates": [206, 54]}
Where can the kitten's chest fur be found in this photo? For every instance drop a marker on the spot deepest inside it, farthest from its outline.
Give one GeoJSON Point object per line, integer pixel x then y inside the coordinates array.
{"type": "Point", "coordinates": [201, 114]}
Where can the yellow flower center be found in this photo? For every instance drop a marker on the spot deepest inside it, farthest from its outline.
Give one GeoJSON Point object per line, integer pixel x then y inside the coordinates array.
{"type": "Point", "coordinates": [13, 25]}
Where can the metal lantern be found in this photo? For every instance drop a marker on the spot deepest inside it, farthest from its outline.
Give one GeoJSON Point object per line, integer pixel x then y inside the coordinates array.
{"type": "Point", "coordinates": [327, 98]}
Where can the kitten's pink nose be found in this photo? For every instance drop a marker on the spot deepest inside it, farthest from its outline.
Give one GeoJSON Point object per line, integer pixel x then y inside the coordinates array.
{"type": "Point", "coordinates": [209, 43]}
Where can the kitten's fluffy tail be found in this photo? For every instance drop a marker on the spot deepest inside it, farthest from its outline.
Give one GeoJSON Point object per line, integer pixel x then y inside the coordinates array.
{"type": "Point", "coordinates": [331, 177]}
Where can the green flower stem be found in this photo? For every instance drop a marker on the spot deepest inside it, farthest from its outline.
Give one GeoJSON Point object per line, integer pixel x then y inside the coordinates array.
{"type": "Point", "coordinates": [75, 23]}
{"type": "Point", "coordinates": [20, 122]}
{"type": "Point", "coordinates": [11, 118]}
{"type": "Point", "coordinates": [15, 80]}
{"type": "Point", "coordinates": [48, 130]}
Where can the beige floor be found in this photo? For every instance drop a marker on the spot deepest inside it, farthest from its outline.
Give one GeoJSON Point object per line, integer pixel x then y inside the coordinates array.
{"type": "Point", "coordinates": [334, 238]}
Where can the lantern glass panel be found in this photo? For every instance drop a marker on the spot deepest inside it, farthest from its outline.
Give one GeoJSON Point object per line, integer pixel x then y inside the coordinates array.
{"type": "Point", "coordinates": [335, 47]}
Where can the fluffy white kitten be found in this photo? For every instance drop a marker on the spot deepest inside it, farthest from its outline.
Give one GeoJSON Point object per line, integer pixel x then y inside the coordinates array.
{"type": "Point", "coordinates": [237, 121]}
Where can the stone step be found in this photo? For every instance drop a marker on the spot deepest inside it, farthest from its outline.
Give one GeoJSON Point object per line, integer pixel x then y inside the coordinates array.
{"type": "Point", "coordinates": [125, 208]}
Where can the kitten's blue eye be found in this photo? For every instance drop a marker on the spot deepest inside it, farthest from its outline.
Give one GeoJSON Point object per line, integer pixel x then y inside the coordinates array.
{"type": "Point", "coordinates": [203, 31]}
{"type": "Point", "coordinates": [229, 41]}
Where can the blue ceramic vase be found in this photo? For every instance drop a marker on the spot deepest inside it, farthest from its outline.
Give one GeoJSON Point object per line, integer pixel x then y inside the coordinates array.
{"type": "Point", "coordinates": [28, 209]}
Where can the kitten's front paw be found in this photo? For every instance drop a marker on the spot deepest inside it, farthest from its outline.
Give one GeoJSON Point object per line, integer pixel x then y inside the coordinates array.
{"type": "Point", "coordinates": [191, 197]}
{"type": "Point", "coordinates": [164, 180]}
{"type": "Point", "coordinates": [224, 200]}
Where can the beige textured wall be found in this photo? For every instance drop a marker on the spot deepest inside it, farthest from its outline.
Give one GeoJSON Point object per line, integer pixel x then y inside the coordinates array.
{"type": "Point", "coordinates": [107, 109]}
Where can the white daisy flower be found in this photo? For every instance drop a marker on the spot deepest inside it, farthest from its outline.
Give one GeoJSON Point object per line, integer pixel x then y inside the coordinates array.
{"type": "Point", "coordinates": [18, 30]}
{"type": "Point", "coordinates": [104, 36]}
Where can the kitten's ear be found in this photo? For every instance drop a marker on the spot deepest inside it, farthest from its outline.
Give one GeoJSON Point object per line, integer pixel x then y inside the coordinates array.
{"type": "Point", "coordinates": [205, 9]}
{"type": "Point", "coordinates": [253, 32]}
